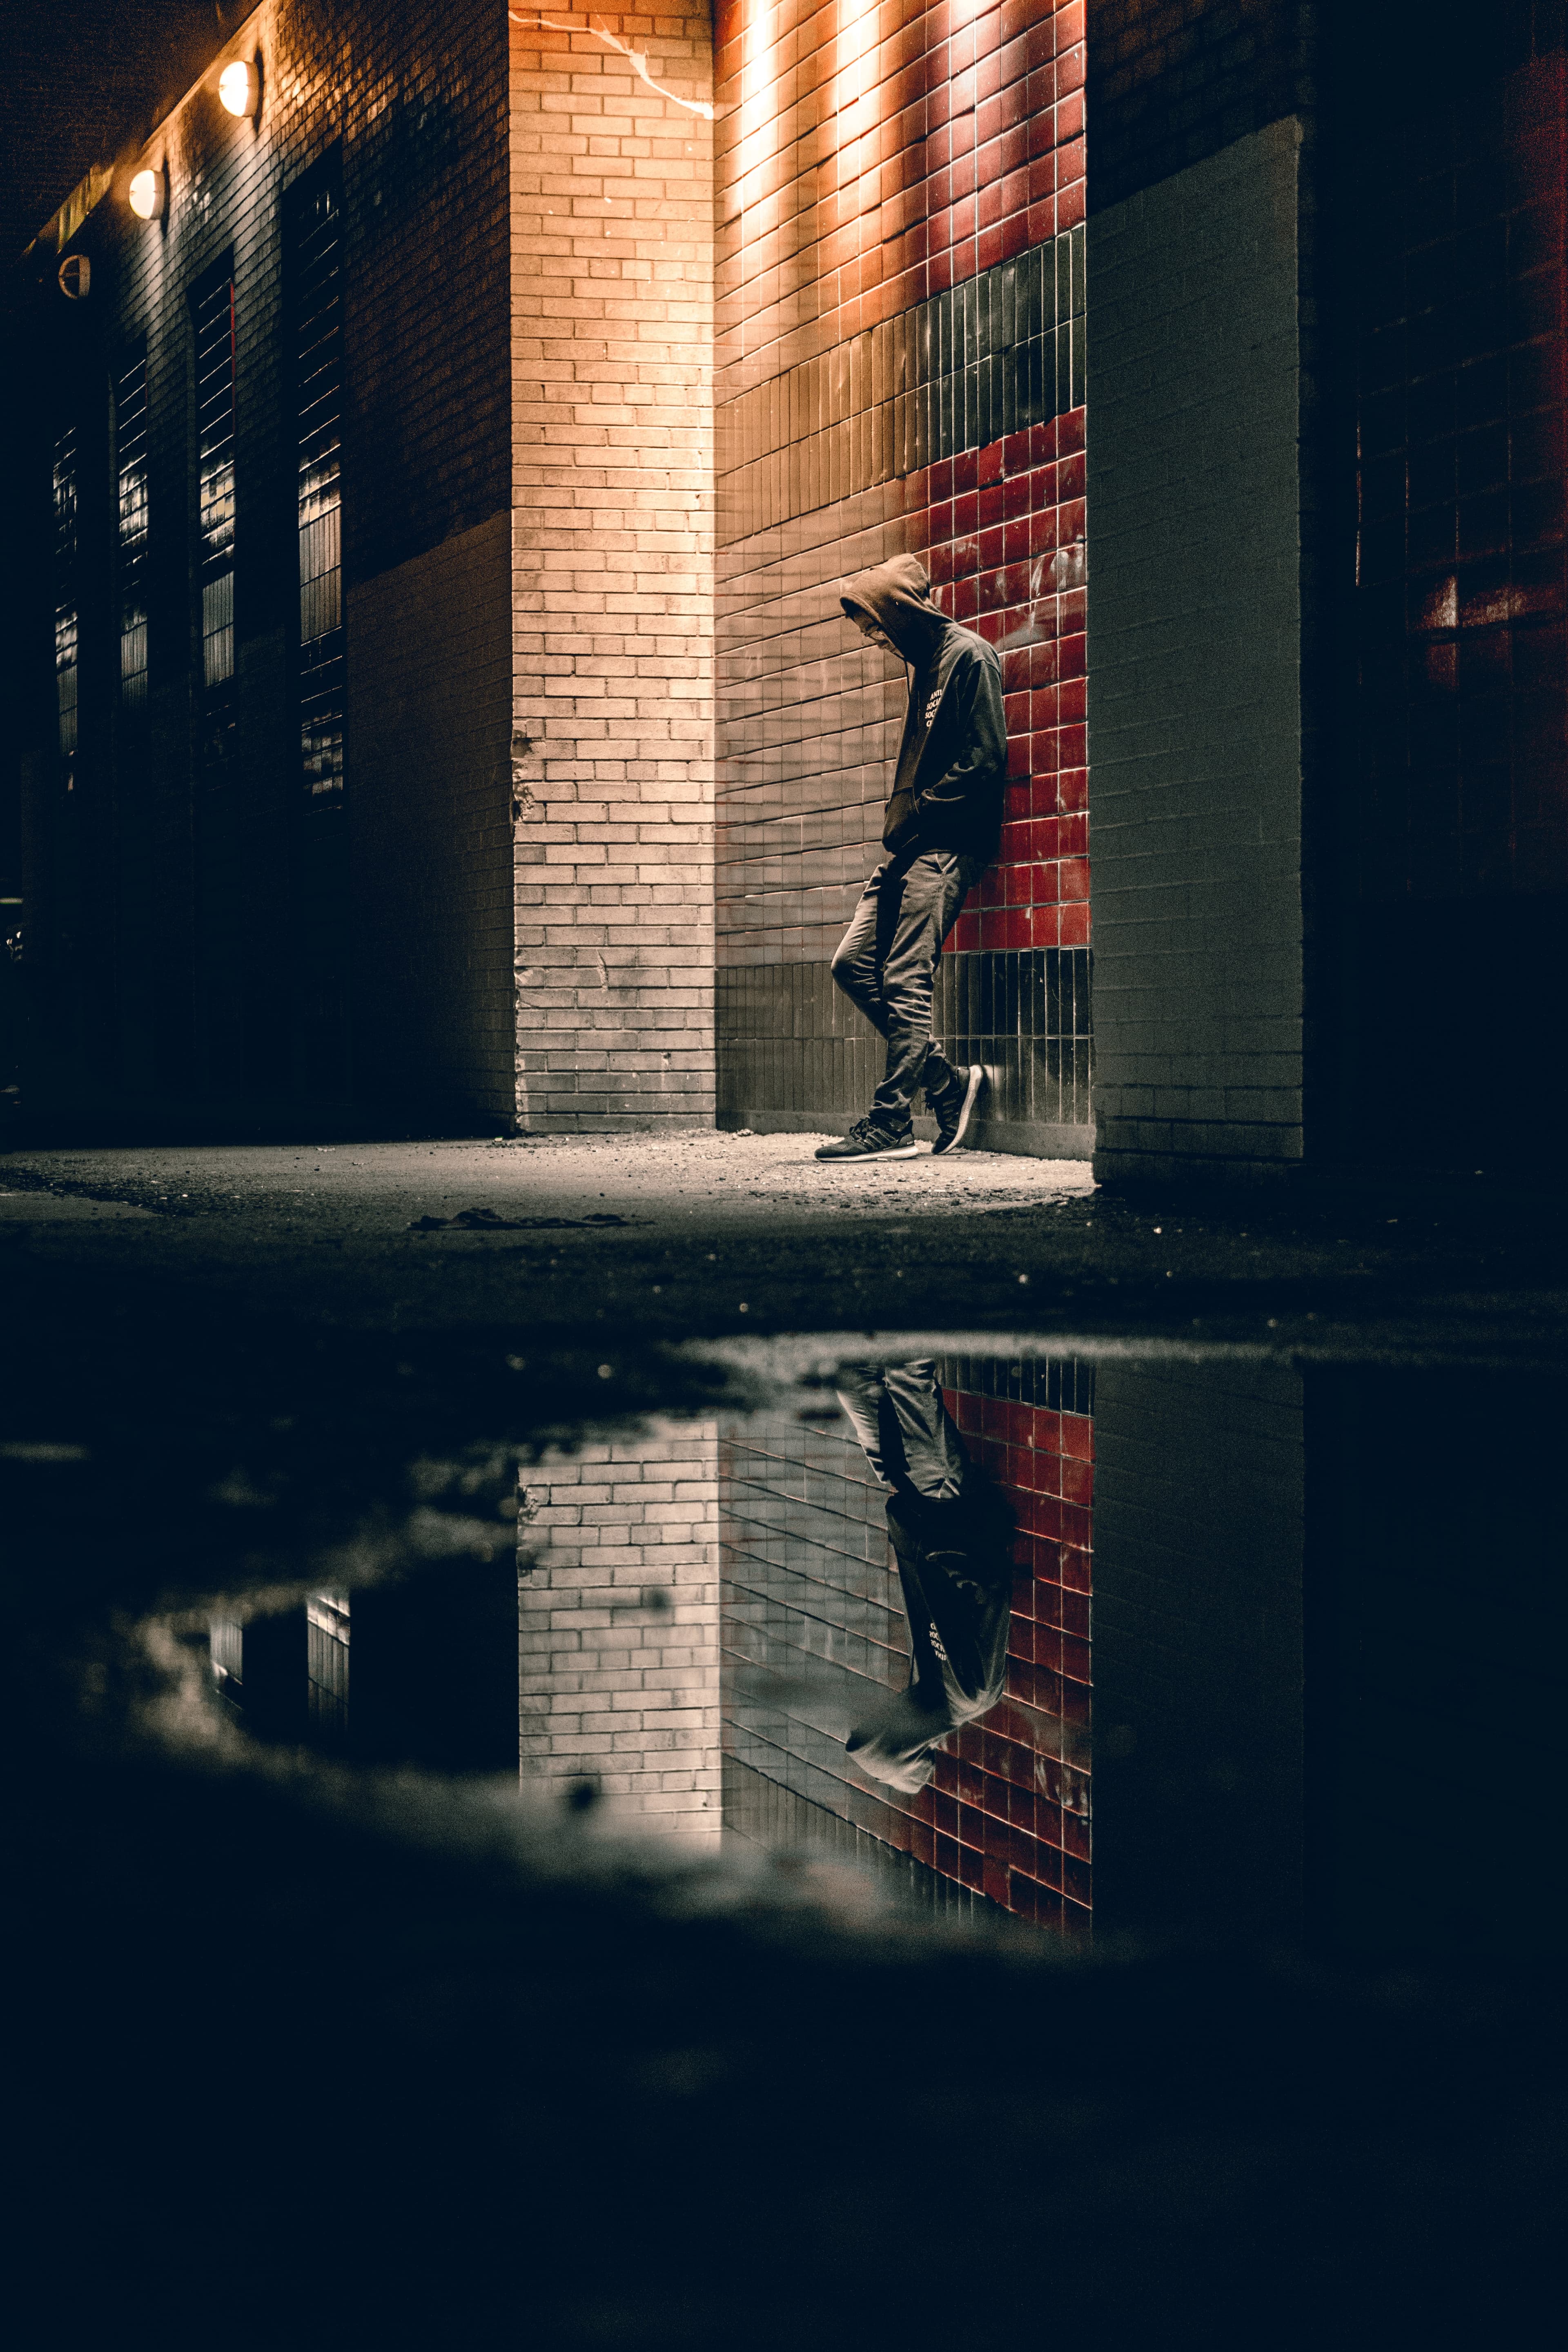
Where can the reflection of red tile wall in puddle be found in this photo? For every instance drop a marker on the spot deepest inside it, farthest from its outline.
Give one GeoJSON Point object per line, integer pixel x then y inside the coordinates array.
{"type": "Point", "coordinates": [1002, 532]}
{"type": "Point", "coordinates": [1007, 1812]}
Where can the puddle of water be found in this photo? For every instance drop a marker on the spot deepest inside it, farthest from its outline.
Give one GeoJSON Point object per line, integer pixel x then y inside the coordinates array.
{"type": "Point", "coordinates": [1136, 1648]}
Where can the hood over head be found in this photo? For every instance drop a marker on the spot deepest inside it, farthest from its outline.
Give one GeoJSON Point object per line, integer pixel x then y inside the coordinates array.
{"type": "Point", "coordinates": [897, 595]}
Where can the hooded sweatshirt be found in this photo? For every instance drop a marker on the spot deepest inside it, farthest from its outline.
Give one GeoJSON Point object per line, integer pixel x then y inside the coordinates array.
{"type": "Point", "coordinates": [952, 760]}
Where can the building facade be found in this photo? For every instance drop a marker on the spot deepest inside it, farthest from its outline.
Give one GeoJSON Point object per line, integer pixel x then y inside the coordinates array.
{"type": "Point", "coordinates": [431, 700]}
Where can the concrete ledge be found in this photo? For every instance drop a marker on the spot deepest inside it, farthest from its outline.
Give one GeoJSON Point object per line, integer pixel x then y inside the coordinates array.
{"type": "Point", "coordinates": [1022, 1139]}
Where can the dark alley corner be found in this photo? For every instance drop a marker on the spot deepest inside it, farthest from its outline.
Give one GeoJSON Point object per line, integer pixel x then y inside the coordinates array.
{"type": "Point", "coordinates": [654, 1643]}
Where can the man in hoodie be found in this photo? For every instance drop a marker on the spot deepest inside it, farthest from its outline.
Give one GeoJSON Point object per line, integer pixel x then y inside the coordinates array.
{"type": "Point", "coordinates": [943, 817]}
{"type": "Point", "coordinates": [952, 1537]}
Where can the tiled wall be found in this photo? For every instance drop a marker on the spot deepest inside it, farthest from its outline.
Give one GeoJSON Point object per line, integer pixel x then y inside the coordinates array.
{"type": "Point", "coordinates": [1195, 710]}
{"type": "Point", "coordinates": [618, 1625]}
{"type": "Point", "coordinates": [811, 1615]}
{"type": "Point", "coordinates": [612, 240]}
{"type": "Point", "coordinates": [900, 361]}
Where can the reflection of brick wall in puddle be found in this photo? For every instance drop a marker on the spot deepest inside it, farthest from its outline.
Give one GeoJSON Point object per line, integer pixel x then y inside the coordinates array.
{"type": "Point", "coordinates": [811, 1593]}
{"type": "Point", "coordinates": [618, 1625]}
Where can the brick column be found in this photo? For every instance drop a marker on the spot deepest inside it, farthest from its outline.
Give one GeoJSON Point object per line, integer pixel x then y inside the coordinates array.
{"type": "Point", "coordinates": [612, 245]}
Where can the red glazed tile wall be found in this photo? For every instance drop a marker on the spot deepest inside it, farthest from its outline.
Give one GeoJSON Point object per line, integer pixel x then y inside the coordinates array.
{"type": "Point", "coordinates": [1002, 529]}
{"type": "Point", "coordinates": [869, 156]}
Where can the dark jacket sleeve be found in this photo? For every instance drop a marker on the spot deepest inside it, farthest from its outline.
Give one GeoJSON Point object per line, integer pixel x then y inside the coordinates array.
{"type": "Point", "coordinates": [979, 733]}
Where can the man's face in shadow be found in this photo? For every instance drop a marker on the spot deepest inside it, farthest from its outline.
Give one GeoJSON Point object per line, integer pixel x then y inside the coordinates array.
{"type": "Point", "coordinates": [873, 632]}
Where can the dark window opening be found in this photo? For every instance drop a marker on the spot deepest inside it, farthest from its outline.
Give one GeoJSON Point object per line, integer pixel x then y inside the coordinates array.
{"type": "Point", "coordinates": [214, 332]}
{"type": "Point", "coordinates": [319, 360]}
{"type": "Point", "coordinates": [130, 463]}
{"type": "Point", "coordinates": [67, 626]}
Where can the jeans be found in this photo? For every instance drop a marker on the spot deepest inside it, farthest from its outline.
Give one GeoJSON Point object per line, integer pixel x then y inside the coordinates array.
{"type": "Point", "coordinates": [903, 1426]}
{"type": "Point", "coordinates": [887, 959]}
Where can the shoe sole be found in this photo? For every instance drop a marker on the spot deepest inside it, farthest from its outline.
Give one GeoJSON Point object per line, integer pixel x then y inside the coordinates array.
{"type": "Point", "coordinates": [859, 1159]}
{"type": "Point", "coordinates": [971, 1096]}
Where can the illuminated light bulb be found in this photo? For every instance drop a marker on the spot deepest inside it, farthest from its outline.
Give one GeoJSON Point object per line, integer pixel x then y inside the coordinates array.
{"type": "Point", "coordinates": [147, 195]}
{"type": "Point", "coordinates": [237, 87]}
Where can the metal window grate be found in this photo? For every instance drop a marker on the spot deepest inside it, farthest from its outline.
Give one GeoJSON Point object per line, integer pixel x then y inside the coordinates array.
{"type": "Point", "coordinates": [131, 456]}
{"type": "Point", "coordinates": [215, 446]}
{"type": "Point", "coordinates": [66, 619]}
{"type": "Point", "coordinates": [327, 1651]}
{"type": "Point", "coordinates": [319, 353]}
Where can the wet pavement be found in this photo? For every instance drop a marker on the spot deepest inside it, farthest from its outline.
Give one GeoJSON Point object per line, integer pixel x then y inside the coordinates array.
{"type": "Point", "coordinates": [602, 1724]}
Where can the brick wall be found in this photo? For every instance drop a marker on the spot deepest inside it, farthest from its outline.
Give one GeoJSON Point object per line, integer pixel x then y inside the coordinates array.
{"type": "Point", "coordinates": [611, 327]}
{"type": "Point", "coordinates": [618, 1624]}
{"type": "Point", "coordinates": [183, 915]}
{"type": "Point", "coordinates": [812, 1605]}
{"type": "Point", "coordinates": [899, 370]}
{"type": "Point", "coordinates": [1196, 625]}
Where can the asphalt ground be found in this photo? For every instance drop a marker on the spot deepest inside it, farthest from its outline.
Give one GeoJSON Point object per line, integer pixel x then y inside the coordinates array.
{"type": "Point", "coordinates": [689, 1237]}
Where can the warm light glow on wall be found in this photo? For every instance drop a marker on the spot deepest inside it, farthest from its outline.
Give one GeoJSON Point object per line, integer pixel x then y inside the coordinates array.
{"type": "Point", "coordinates": [237, 87]}
{"type": "Point", "coordinates": [146, 194]}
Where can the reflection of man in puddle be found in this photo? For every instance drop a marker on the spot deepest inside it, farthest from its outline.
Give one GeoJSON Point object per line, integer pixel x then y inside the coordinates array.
{"type": "Point", "coordinates": [952, 1534]}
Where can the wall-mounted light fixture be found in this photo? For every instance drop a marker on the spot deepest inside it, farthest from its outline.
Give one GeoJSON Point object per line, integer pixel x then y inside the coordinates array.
{"type": "Point", "coordinates": [146, 193]}
{"type": "Point", "coordinates": [239, 87]}
{"type": "Point", "coordinates": [75, 275]}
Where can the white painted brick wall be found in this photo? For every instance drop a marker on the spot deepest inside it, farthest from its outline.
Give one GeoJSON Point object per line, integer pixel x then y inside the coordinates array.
{"type": "Point", "coordinates": [612, 300]}
{"type": "Point", "coordinates": [1195, 620]}
{"type": "Point", "coordinates": [614, 1684]}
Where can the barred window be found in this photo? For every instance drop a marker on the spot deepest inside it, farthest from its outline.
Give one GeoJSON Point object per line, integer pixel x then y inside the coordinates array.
{"type": "Point", "coordinates": [67, 629]}
{"type": "Point", "coordinates": [215, 439]}
{"type": "Point", "coordinates": [315, 236]}
{"type": "Point", "coordinates": [130, 464]}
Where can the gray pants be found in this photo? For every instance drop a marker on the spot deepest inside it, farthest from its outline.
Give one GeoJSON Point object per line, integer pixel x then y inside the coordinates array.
{"type": "Point", "coordinates": [903, 1426]}
{"type": "Point", "coordinates": [885, 963]}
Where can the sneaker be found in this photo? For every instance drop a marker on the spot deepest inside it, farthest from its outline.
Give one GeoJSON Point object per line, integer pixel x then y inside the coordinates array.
{"type": "Point", "coordinates": [955, 1109]}
{"type": "Point", "coordinates": [870, 1141]}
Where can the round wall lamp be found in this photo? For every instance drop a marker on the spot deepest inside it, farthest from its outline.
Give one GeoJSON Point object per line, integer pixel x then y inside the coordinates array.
{"type": "Point", "coordinates": [146, 194]}
{"type": "Point", "coordinates": [239, 87]}
{"type": "Point", "coordinates": [75, 276]}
